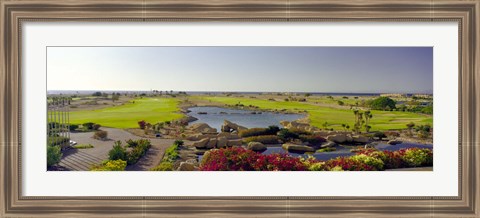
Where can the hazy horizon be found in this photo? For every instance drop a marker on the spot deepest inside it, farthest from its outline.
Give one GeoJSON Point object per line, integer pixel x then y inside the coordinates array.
{"type": "Point", "coordinates": [242, 69]}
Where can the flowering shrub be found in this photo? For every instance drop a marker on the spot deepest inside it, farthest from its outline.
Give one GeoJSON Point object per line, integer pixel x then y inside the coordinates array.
{"type": "Point", "coordinates": [347, 164]}
{"type": "Point", "coordinates": [142, 124]}
{"type": "Point", "coordinates": [279, 162]}
{"type": "Point", "coordinates": [240, 159]}
{"type": "Point", "coordinates": [415, 157]}
{"type": "Point", "coordinates": [373, 162]}
{"type": "Point", "coordinates": [110, 165]}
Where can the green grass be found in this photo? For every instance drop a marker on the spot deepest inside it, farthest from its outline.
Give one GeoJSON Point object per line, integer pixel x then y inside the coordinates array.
{"type": "Point", "coordinates": [151, 110]}
{"type": "Point", "coordinates": [382, 120]}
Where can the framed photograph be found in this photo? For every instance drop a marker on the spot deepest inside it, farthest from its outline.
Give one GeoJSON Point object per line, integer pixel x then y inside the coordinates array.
{"type": "Point", "coordinates": [234, 108]}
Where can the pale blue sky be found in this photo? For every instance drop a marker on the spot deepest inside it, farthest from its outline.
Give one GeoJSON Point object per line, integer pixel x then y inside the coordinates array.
{"type": "Point", "coordinates": [265, 69]}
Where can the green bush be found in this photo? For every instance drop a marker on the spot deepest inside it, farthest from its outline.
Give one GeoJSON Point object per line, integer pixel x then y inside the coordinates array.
{"type": "Point", "coordinates": [379, 135]}
{"type": "Point", "coordinates": [265, 139]}
{"type": "Point", "coordinates": [171, 154]}
{"type": "Point", "coordinates": [57, 140]}
{"type": "Point", "coordinates": [382, 103]}
{"type": "Point", "coordinates": [73, 127]}
{"type": "Point", "coordinates": [286, 134]}
{"type": "Point", "coordinates": [418, 157]}
{"type": "Point", "coordinates": [54, 155]}
{"type": "Point", "coordinates": [100, 135]}
{"type": "Point", "coordinates": [138, 151]}
{"type": "Point", "coordinates": [178, 142]}
{"type": "Point", "coordinates": [164, 166]}
{"type": "Point", "coordinates": [252, 132]}
{"type": "Point", "coordinates": [376, 163]}
{"type": "Point", "coordinates": [96, 126]}
{"type": "Point", "coordinates": [111, 165]}
{"type": "Point", "coordinates": [271, 130]}
{"type": "Point", "coordinates": [88, 126]}
{"type": "Point", "coordinates": [312, 139]}
{"type": "Point", "coordinates": [321, 150]}
{"type": "Point", "coordinates": [83, 146]}
{"type": "Point", "coordinates": [118, 152]}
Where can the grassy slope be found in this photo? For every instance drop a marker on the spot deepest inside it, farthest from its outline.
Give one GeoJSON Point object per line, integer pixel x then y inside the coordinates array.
{"type": "Point", "coordinates": [382, 120]}
{"type": "Point", "coordinates": [152, 110]}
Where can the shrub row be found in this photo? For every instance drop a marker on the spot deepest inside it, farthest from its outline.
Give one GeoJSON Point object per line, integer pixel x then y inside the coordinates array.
{"type": "Point", "coordinates": [110, 165]}
{"type": "Point", "coordinates": [119, 152]}
{"type": "Point", "coordinates": [271, 130]}
{"type": "Point", "coordinates": [265, 139]}
{"type": "Point", "coordinates": [241, 159]}
{"type": "Point", "coordinates": [171, 154]}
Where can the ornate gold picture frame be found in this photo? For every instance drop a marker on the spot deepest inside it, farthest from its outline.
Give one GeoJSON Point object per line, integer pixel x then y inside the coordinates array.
{"type": "Point", "coordinates": [14, 13]}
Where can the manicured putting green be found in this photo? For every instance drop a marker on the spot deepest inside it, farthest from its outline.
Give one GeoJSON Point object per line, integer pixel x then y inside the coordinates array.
{"type": "Point", "coordinates": [152, 110]}
{"type": "Point", "coordinates": [335, 117]}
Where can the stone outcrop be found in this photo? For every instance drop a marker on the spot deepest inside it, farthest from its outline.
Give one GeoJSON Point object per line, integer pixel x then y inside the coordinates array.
{"type": "Point", "coordinates": [222, 142]}
{"type": "Point", "coordinates": [202, 143]}
{"type": "Point", "coordinates": [201, 128]}
{"type": "Point", "coordinates": [232, 143]}
{"type": "Point", "coordinates": [231, 127]}
{"type": "Point", "coordinates": [185, 166]}
{"type": "Point", "coordinates": [338, 138]}
{"type": "Point", "coordinates": [228, 135]}
{"type": "Point", "coordinates": [360, 139]}
{"type": "Point", "coordinates": [328, 144]}
{"type": "Point", "coordinates": [212, 143]}
{"type": "Point", "coordinates": [298, 125]}
{"type": "Point", "coordinates": [295, 148]}
{"type": "Point", "coordinates": [256, 146]}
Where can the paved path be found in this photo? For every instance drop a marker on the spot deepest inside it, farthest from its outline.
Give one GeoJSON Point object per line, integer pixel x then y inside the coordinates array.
{"type": "Point", "coordinates": [82, 159]}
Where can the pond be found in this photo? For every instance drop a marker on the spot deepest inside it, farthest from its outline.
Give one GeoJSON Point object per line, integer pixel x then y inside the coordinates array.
{"type": "Point", "coordinates": [214, 117]}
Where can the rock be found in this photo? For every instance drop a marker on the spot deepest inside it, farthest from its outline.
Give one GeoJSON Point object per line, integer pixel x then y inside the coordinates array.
{"type": "Point", "coordinates": [195, 137]}
{"type": "Point", "coordinates": [338, 138]}
{"type": "Point", "coordinates": [328, 144]}
{"type": "Point", "coordinates": [394, 142]}
{"type": "Point", "coordinates": [229, 127]}
{"type": "Point", "coordinates": [360, 139]}
{"type": "Point", "coordinates": [202, 128]}
{"type": "Point", "coordinates": [202, 112]}
{"type": "Point", "coordinates": [232, 143]}
{"type": "Point", "coordinates": [256, 146]}
{"type": "Point", "coordinates": [348, 139]}
{"type": "Point", "coordinates": [200, 151]}
{"type": "Point", "coordinates": [211, 143]}
{"type": "Point", "coordinates": [202, 143]}
{"type": "Point", "coordinates": [370, 145]}
{"type": "Point", "coordinates": [228, 135]}
{"type": "Point", "coordinates": [297, 148]}
{"type": "Point", "coordinates": [223, 112]}
{"type": "Point", "coordinates": [184, 166]}
{"type": "Point", "coordinates": [192, 161]}
{"type": "Point", "coordinates": [222, 142]}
